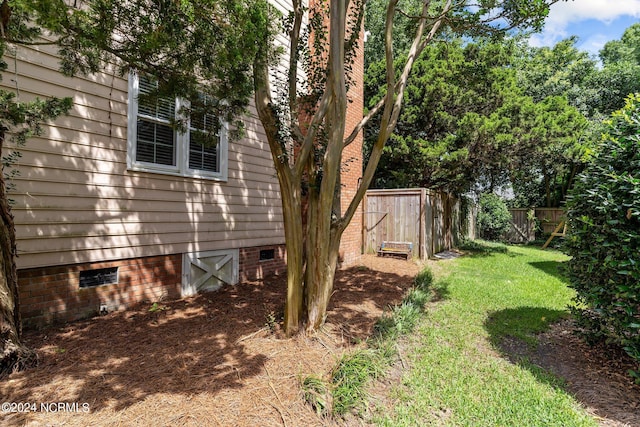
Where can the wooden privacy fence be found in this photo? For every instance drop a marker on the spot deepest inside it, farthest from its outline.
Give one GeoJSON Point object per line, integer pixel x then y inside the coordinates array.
{"type": "Point", "coordinates": [549, 218]}
{"type": "Point", "coordinates": [523, 224]}
{"type": "Point", "coordinates": [432, 221]}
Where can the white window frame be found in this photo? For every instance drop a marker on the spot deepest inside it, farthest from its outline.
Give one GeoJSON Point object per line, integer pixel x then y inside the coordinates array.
{"type": "Point", "coordinates": [181, 144]}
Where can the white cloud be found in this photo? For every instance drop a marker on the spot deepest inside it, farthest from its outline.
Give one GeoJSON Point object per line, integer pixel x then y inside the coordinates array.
{"type": "Point", "coordinates": [567, 13]}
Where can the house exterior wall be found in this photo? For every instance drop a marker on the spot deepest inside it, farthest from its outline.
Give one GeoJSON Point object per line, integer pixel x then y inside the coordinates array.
{"type": "Point", "coordinates": [351, 169]}
{"type": "Point", "coordinates": [76, 202]}
{"type": "Point", "coordinates": [52, 294]}
{"type": "Point", "coordinates": [78, 207]}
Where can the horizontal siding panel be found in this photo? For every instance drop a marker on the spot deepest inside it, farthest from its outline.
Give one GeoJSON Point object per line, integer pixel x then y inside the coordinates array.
{"type": "Point", "coordinates": [38, 81]}
{"type": "Point", "coordinates": [245, 179]}
{"type": "Point", "coordinates": [29, 232]}
{"type": "Point", "coordinates": [36, 61]}
{"type": "Point", "coordinates": [47, 219]}
{"type": "Point", "coordinates": [226, 205]}
{"type": "Point", "coordinates": [40, 245]}
{"type": "Point", "coordinates": [241, 156]}
{"type": "Point", "coordinates": [88, 142]}
{"type": "Point", "coordinates": [207, 193]}
{"type": "Point", "coordinates": [75, 200]}
{"type": "Point", "coordinates": [108, 253]}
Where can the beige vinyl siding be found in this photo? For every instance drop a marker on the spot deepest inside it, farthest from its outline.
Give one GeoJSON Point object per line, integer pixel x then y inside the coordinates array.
{"type": "Point", "coordinates": [76, 202]}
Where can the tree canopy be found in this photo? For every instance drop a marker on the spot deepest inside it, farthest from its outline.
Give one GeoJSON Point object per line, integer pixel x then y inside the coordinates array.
{"type": "Point", "coordinates": [467, 122]}
{"type": "Point", "coordinates": [481, 113]}
{"type": "Point", "coordinates": [192, 48]}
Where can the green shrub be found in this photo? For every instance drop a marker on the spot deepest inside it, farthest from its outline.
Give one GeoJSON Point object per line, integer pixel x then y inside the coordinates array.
{"type": "Point", "coordinates": [494, 218]}
{"type": "Point", "coordinates": [603, 213]}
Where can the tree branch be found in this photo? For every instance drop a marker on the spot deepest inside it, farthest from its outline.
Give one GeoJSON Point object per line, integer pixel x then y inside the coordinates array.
{"type": "Point", "coordinates": [307, 144]}
{"type": "Point", "coordinates": [393, 99]}
{"type": "Point", "coordinates": [294, 36]}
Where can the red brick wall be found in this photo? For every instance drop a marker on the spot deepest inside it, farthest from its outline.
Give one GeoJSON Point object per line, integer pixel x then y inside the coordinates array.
{"type": "Point", "coordinates": [53, 294]}
{"type": "Point", "coordinates": [251, 268]}
{"type": "Point", "coordinates": [351, 244]}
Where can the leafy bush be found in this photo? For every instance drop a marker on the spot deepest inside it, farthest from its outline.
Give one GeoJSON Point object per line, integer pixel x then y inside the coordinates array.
{"type": "Point", "coordinates": [494, 218]}
{"type": "Point", "coordinates": [603, 212]}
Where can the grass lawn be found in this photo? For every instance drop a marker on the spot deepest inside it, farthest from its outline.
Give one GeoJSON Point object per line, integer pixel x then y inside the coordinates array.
{"type": "Point", "coordinates": [458, 376]}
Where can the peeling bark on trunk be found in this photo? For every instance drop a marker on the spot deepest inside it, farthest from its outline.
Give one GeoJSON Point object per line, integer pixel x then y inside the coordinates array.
{"type": "Point", "coordinates": [322, 251]}
{"type": "Point", "coordinates": [324, 204]}
{"type": "Point", "coordinates": [13, 354]}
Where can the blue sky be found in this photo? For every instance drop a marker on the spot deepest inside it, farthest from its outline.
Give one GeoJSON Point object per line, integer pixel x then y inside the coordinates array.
{"type": "Point", "coordinates": [595, 22]}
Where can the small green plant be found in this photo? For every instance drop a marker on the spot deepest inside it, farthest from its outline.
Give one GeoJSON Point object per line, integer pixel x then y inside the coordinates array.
{"type": "Point", "coordinates": [156, 308]}
{"type": "Point", "coordinates": [271, 321]}
{"type": "Point", "coordinates": [317, 394]}
{"type": "Point", "coordinates": [424, 279]}
{"type": "Point", "coordinates": [494, 218]}
{"type": "Point", "coordinates": [418, 297]}
{"type": "Point", "coordinates": [384, 327]}
{"type": "Point", "coordinates": [350, 377]}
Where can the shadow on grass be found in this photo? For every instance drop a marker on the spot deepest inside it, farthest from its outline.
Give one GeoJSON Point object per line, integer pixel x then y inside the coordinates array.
{"type": "Point", "coordinates": [482, 248]}
{"type": "Point", "coordinates": [521, 323]}
{"type": "Point", "coordinates": [590, 376]}
{"type": "Point", "coordinates": [512, 332]}
{"type": "Point", "coordinates": [440, 291]}
{"type": "Point", "coordinates": [552, 268]}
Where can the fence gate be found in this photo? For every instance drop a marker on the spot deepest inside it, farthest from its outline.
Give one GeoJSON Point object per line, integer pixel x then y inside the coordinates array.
{"type": "Point", "coordinates": [523, 226]}
{"type": "Point", "coordinates": [392, 215]}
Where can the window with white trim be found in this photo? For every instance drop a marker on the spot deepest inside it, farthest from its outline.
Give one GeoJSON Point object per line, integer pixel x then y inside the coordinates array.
{"type": "Point", "coordinates": [154, 145]}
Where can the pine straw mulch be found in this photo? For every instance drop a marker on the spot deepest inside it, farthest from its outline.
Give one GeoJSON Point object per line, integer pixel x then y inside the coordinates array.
{"type": "Point", "coordinates": [214, 359]}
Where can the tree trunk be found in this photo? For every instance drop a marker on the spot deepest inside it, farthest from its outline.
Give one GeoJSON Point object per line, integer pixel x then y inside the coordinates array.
{"type": "Point", "coordinates": [547, 188]}
{"type": "Point", "coordinates": [13, 354]}
{"type": "Point", "coordinates": [322, 251]}
{"type": "Point", "coordinates": [323, 239]}
{"type": "Point", "coordinates": [294, 238]}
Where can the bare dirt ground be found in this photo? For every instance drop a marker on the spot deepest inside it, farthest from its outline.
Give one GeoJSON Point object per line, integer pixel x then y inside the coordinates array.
{"type": "Point", "coordinates": [220, 359]}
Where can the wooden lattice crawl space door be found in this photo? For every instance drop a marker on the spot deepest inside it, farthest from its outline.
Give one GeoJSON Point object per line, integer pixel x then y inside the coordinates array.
{"type": "Point", "coordinates": [209, 271]}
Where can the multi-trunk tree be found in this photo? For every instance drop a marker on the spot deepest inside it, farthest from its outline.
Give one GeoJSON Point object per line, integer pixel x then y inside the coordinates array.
{"type": "Point", "coordinates": [227, 50]}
